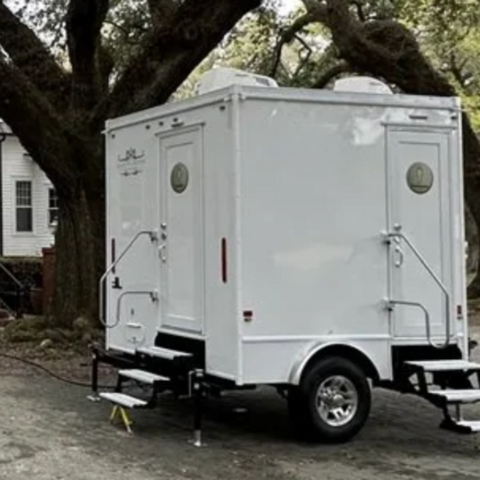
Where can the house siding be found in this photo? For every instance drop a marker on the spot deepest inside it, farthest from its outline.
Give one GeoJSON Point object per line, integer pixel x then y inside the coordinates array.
{"type": "Point", "coordinates": [17, 166]}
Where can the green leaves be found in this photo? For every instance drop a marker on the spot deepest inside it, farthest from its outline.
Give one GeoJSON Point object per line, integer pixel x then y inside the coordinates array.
{"type": "Point", "coordinates": [449, 34]}
{"type": "Point", "coordinates": [125, 25]}
{"type": "Point", "coordinates": [447, 30]}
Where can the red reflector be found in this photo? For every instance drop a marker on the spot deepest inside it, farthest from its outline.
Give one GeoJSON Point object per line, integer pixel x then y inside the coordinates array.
{"type": "Point", "coordinates": [459, 310]}
{"type": "Point", "coordinates": [113, 253]}
{"type": "Point", "coordinates": [247, 315]}
{"type": "Point", "coordinates": [224, 260]}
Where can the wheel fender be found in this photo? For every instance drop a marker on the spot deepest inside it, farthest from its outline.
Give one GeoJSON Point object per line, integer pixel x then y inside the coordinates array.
{"type": "Point", "coordinates": [303, 360]}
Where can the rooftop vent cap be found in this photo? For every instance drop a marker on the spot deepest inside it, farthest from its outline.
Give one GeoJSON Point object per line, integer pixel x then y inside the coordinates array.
{"type": "Point", "coordinates": [361, 85]}
{"type": "Point", "coordinates": [218, 78]}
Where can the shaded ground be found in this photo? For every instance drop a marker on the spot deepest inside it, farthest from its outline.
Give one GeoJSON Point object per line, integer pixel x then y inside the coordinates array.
{"type": "Point", "coordinates": [49, 431]}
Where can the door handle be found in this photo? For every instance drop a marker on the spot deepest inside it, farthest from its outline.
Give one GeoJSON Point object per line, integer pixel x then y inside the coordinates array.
{"type": "Point", "coordinates": [161, 250]}
{"type": "Point", "coordinates": [400, 256]}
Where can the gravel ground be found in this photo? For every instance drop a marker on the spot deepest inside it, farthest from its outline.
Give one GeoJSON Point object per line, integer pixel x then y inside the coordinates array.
{"type": "Point", "coordinates": [49, 431]}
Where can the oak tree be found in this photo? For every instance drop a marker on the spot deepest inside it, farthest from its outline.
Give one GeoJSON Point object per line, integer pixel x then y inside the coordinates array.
{"type": "Point", "coordinates": [57, 106]}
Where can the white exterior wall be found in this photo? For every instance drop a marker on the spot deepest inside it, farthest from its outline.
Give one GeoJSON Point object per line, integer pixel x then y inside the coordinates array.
{"type": "Point", "coordinates": [296, 181]}
{"type": "Point", "coordinates": [17, 165]}
{"type": "Point", "coordinates": [134, 204]}
{"type": "Point", "coordinates": [313, 204]}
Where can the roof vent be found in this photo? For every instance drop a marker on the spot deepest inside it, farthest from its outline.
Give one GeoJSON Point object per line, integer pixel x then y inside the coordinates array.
{"type": "Point", "coordinates": [361, 85]}
{"type": "Point", "coordinates": [218, 78]}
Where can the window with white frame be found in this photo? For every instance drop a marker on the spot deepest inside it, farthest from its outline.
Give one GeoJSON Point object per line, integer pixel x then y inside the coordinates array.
{"type": "Point", "coordinates": [52, 206]}
{"type": "Point", "coordinates": [24, 206]}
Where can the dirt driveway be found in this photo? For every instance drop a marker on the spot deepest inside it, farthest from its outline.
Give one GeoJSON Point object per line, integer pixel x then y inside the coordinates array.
{"type": "Point", "coordinates": [49, 431]}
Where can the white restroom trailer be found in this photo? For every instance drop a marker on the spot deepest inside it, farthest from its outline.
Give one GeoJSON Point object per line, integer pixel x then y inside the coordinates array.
{"type": "Point", "coordinates": [306, 239]}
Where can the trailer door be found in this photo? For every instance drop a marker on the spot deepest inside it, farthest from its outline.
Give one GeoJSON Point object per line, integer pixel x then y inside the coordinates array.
{"type": "Point", "coordinates": [419, 210]}
{"type": "Point", "coordinates": [181, 231]}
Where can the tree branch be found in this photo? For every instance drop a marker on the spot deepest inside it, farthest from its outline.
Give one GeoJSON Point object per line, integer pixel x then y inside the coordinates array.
{"type": "Point", "coordinates": [126, 33]}
{"type": "Point", "coordinates": [172, 50]}
{"type": "Point", "coordinates": [161, 10]}
{"type": "Point", "coordinates": [40, 130]}
{"type": "Point", "coordinates": [335, 71]}
{"type": "Point", "coordinates": [31, 57]}
{"type": "Point", "coordinates": [106, 65]}
{"type": "Point", "coordinates": [385, 49]}
{"type": "Point", "coordinates": [302, 61]}
{"type": "Point", "coordinates": [360, 12]}
{"type": "Point", "coordinates": [316, 12]}
{"type": "Point", "coordinates": [457, 71]}
{"type": "Point", "coordinates": [84, 22]}
{"type": "Point", "coordinates": [287, 36]}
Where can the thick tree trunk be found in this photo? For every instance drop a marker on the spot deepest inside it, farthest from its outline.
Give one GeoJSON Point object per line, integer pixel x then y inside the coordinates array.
{"type": "Point", "coordinates": [72, 106]}
{"type": "Point", "coordinates": [79, 257]}
{"type": "Point", "coordinates": [473, 270]}
{"type": "Point", "coordinates": [471, 235]}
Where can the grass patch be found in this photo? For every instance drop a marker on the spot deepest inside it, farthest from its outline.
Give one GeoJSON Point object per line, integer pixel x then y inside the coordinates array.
{"type": "Point", "coordinates": [41, 329]}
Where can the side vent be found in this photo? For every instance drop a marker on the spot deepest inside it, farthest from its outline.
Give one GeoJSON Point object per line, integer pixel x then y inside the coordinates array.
{"type": "Point", "coordinates": [224, 266]}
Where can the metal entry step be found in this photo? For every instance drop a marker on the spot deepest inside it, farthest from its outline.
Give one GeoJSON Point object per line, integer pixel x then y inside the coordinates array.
{"type": "Point", "coordinates": [458, 396]}
{"type": "Point", "coordinates": [143, 376]}
{"type": "Point", "coordinates": [164, 353]}
{"type": "Point", "coordinates": [445, 365]}
{"type": "Point", "coordinates": [472, 425]}
{"type": "Point", "coordinates": [454, 374]}
{"type": "Point", "coordinates": [123, 399]}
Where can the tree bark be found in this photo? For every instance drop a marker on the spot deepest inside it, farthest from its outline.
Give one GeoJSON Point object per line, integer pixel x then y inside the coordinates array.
{"type": "Point", "coordinates": [326, 77]}
{"type": "Point", "coordinates": [472, 236]}
{"type": "Point", "coordinates": [30, 56]}
{"type": "Point", "coordinates": [471, 154]}
{"type": "Point", "coordinates": [84, 22]}
{"type": "Point", "coordinates": [172, 50]}
{"type": "Point", "coordinates": [58, 116]}
{"type": "Point", "coordinates": [79, 256]}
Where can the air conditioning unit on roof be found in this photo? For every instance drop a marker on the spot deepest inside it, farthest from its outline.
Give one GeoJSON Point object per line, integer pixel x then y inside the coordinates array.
{"type": "Point", "coordinates": [361, 85]}
{"type": "Point", "coordinates": [218, 78]}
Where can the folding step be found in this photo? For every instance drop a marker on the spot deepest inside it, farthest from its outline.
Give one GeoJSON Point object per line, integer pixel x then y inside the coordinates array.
{"type": "Point", "coordinates": [444, 365]}
{"type": "Point", "coordinates": [458, 396]}
{"type": "Point", "coordinates": [164, 353]}
{"type": "Point", "coordinates": [472, 425]}
{"type": "Point", "coordinates": [143, 376]}
{"type": "Point", "coordinates": [123, 399]}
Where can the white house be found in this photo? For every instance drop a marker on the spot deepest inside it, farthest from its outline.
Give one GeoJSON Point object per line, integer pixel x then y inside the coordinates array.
{"type": "Point", "coordinates": [29, 203]}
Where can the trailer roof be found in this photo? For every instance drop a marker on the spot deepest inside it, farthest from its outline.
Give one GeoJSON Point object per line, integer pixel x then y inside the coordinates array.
{"type": "Point", "coordinates": [288, 94]}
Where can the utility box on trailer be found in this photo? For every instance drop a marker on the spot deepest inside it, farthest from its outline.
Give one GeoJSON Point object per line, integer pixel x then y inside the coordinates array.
{"type": "Point", "coordinates": [262, 229]}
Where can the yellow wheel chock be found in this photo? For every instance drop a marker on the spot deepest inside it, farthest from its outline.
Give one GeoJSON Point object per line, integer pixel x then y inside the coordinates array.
{"type": "Point", "coordinates": [122, 413]}
{"type": "Point", "coordinates": [122, 403]}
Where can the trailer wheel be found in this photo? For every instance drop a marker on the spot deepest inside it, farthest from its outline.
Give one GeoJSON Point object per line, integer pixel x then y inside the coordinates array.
{"type": "Point", "coordinates": [332, 402]}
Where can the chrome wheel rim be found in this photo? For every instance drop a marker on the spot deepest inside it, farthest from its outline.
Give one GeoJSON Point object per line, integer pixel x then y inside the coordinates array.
{"type": "Point", "coordinates": [337, 401]}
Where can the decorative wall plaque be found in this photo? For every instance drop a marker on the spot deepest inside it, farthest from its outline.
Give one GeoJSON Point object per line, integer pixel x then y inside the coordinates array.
{"type": "Point", "coordinates": [420, 178]}
{"type": "Point", "coordinates": [131, 163]}
{"type": "Point", "coordinates": [179, 178]}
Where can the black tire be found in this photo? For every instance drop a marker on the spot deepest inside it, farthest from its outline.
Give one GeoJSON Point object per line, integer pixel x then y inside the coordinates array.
{"type": "Point", "coordinates": [302, 401]}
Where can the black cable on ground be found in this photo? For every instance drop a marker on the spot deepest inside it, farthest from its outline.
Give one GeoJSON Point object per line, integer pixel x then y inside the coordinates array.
{"type": "Point", "coordinates": [78, 384]}
{"type": "Point", "coordinates": [52, 374]}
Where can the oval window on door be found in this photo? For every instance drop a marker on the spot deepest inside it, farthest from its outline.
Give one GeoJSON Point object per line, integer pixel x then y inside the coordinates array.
{"type": "Point", "coordinates": [420, 178]}
{"type": "Point", "coordinates": [179, 177]}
